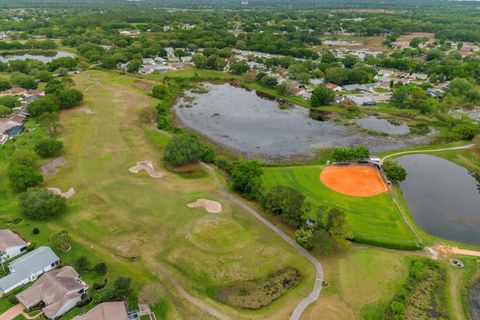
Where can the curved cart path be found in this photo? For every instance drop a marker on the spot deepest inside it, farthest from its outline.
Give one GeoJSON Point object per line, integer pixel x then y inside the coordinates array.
{"type": "Point", "coordinates": [313, 296]}
{"type": "Point", "coordinates": [468, 146]}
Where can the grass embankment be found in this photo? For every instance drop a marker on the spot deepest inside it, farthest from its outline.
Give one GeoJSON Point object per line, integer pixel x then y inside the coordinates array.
{"type": "Point", "coordinates": [374, 220]}
{"type": "Point", "coordinates": [116, 216]}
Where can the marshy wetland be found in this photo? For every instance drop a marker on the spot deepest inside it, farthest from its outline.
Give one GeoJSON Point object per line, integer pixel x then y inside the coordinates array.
{"type": "Point", "coordinates": [245, 122]}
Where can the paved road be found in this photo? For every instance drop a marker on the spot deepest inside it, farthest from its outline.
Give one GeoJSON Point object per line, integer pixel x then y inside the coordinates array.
{"type": "Point", "coordinates": [302, 305]}
{"type": "Point", "coordinates": [468, 146]}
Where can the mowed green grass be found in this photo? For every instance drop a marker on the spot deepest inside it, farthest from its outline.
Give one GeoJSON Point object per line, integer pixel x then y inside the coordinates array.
{"type": "Point", "coordinates": [371, 218]}
{"type": "Point", "coordinates": [133, 215]}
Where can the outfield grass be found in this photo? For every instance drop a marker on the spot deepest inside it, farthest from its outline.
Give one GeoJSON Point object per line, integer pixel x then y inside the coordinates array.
{"type": "Point", "coordinates": [371, 218]}
{"type": "Point", "coordinates": [116, 215]}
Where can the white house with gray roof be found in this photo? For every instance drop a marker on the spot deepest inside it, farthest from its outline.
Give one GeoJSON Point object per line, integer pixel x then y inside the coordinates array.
{"type": "Point", "coordinates": [28, 268]}
{"type": "Point", "coordinates": [11, 245]}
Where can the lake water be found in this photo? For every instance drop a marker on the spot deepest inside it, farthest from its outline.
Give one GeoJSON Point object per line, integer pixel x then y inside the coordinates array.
{"type": "Point", "coordinates": [443, 197]}
{"type": "Point", "coordinates": [5, 58]}
{"type": "Point", "coordinates": [474, 301]}
{"type": "Point", "coordinates": [382, 125]}
{"type": "Point", "coordinates": [257, 127]}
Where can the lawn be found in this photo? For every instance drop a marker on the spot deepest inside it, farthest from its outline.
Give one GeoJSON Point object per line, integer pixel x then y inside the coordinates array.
{"type": "Point", "coordinates": [361, 282]}
{"type": "Point", "coordinates": [141, 226]}
{"type": "Point", "coordinates": [372, 219]}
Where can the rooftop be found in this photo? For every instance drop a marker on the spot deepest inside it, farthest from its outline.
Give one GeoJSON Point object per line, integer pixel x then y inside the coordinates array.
{"type": "Point", "coordinates": [10, 239]}
{"type": "Point", "coordinates": [28, 264]}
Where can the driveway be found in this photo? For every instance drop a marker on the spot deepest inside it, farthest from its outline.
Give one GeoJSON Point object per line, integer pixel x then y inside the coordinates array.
{"type": "Point", "coordinates": [11, 313]}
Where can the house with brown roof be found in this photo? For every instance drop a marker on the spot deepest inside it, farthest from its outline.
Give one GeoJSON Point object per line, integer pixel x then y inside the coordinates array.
{"type": "Point", "coordinates": [106, 311]}
{"type": "Point", "coordinates": [15, 91]}
{"type": "Point", "coordinates": [59, 290]}
{"type": "Point", "coordinates": [11, 245]}
{"type": "Point", "coordinates": [333, 87]}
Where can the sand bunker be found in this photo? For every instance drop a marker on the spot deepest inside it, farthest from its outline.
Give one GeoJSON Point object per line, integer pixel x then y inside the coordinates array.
{"type": "Point", "coordinates": [358, 181]}
{"type": "Point", "coordinates": [209, 205]}
{"type": "Point", "coordinates": [87, 110]}
{"type": "Point", "coordinates": [147, 166]}
{"type": "Point", "coordinates": [59, 192]}
{"type": "Point", "coordinates": [51, 166]}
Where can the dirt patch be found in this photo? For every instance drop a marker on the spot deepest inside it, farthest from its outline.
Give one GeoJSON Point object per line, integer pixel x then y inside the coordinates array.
{"type": "Point", "coordinates": [257, 293]}
{"type": "Point", "coordinates": [151, 294]}
{"type": "Point", "coordinates": [51, 167]}
{"type": "Point", "coordinates": [209, 205]}
{"type": "Point", "coordinates": [357, 181]}
{"type": "Point", "coordinates": [143, 85]}
{"type": "Point", "coordinates": [447, 252]}
{"type": "Point", "coordinates": [410, 36]}
{"type": "Point", "coordinates": [148, 167]}
{"type": "Point", "coordinates": [68, 194]}
{"type": "Point", "coordinates": [87, 110]}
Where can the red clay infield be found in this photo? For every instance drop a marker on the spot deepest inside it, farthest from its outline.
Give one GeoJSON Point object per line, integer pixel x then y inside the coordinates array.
{"type": "Point", "coordinates": [358, 181]}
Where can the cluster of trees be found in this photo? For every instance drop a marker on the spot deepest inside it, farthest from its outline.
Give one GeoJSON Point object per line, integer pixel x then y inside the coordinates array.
{"type": "Point", "coordinates": [321, 96]}
{"type": "Point", "coordinates": [47, 148]}
{"type": "Point", "coordinates": [344, 76]}
{"type": "Point", "coordinates": [7, 103]}
{"type": "Point", "coordinates": [58, 95]}
{"type": "Point", "coordinates": [394, 171]}
{"type": "Point", "coordinates": [84, 264]}
{"type": "Point", "coordinates": [121, 289]}
{"type": "Point", "coordinates": [341, 154]}
{"type": "Point", "coordinates": [41, 204]}
{"type": "Point", "coordinates": [22, 172]}
{"type": "Point", "coordinates": [329, 234]}
{"type": "Point", "coordinates": [185, 148]}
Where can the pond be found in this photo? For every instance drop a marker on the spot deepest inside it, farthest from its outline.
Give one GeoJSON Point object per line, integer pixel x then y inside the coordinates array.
{"type": "Point", "coordinates": [42, 57]}
{"type": "Point", "coordinates": [374, 123]}
{"type": "Point", "coordinates": [474, 301]}
{"type": "Point", "coordinates": [255, 126]}
{"type": "Point", "coordinates": [443, 197]}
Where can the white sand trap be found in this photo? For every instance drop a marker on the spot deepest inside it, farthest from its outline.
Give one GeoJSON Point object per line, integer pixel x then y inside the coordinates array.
{"type": "Point", "coordinates": [59, 192]}
{"type": "Point", "coordinates": [147, 166]}
{"type": "Point", "coordinates": [87, 110]}
{"type": "Point", "coordinates": [209, 205]}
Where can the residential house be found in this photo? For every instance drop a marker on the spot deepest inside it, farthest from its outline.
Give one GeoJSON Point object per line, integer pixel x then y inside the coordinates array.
{"type": "Point", "coordinates": [382, 98]}
{"type": "Point", "coordinates": [361, 100]}
{"type": "Point", "coordinates": [316, 81]}
{"type": "Point", "coordinates": [34, 94]}
{"type": "Point", "coordinates": [333, 87]}
{"type": "Point", "coordinates": [59, 290]}
{"type": "Point", "coordinates": [338, 99]}
{"type": "Point", "coordinates": [354, 87]}
{"type": "Point", "coordinates": [106, 311]}
{"type": "Point", "coordinates": [400, 44]}
{"type": "Point", "coordinates": [148, 69]}
{"type": "Point", "coordinates": [11, 245]}
{"type": "Point", "coordinates": [129, 32]}
{"type": "Point", "coordinates": [28, 268]}
{"type": "Point", "coordinates": [436, 92]}
{"type": "Point", "coordinates": [15, 91]}
{"type": "Point", "coordinates": [419, 76]}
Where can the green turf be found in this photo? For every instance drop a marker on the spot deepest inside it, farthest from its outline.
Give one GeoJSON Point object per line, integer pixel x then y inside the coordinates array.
{"type": "Point", "coordinates": [117, 215]}
{"type": "Point", "coordinates": [371, 218]}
